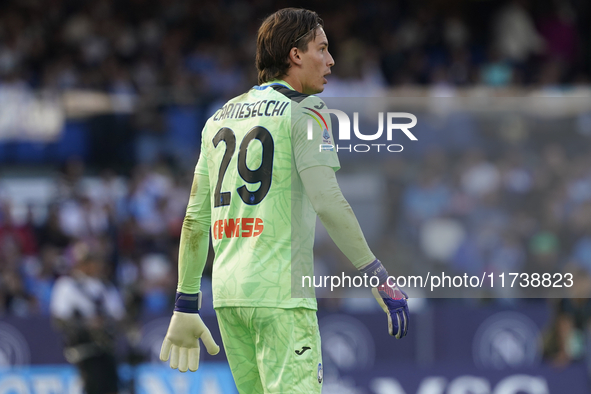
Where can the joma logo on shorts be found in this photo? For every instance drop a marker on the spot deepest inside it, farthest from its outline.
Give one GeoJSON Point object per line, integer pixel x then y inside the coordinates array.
{"type": "Point", "coordinates": [300, 352]}
{"type": "Point", "coordinates": [239, 227]}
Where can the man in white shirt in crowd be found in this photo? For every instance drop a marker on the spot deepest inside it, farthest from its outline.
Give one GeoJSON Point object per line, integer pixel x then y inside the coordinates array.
{"type": "Point", "coordinates": [86, 308]}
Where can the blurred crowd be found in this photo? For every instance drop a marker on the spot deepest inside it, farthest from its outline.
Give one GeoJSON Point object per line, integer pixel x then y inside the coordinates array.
{"type": "Point", "coordinates": [131, 226]}
{"type": "Point", "coordinates": [507, 200]}
{"type": "Point", "coordinates": [509, 195]}
{"type": "Point", "coordinates": [132, 46]}
{"type": "Point", "coordinates": [520, 210]}
{"type": "Point", "coordinates": [493, 207]}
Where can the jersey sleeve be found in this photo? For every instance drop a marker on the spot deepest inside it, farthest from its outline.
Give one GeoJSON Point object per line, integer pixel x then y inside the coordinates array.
{"type": "Point", "coordinates": [194, 243]}
{"type": "Point", "coordinates": [317, 149]}
{"type": "Point", "coordinates": [336, 214]}
{"type": "Point", "coordinates": [202, 168]}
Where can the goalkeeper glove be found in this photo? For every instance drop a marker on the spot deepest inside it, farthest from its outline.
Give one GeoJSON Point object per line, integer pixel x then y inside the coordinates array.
{"type": "Point", "coordinates": [181, 343]}
{"type": "Point", "coordinates": [391, 299]}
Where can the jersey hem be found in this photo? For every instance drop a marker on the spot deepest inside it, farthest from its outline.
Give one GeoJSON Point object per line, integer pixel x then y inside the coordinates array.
{"type": "Point", "coordinates": [249, 304]}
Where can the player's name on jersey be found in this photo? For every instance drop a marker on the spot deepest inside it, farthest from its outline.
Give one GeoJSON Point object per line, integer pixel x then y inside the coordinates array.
{"type": "Point", "coordinates": [239, 227]}
{"type": "Point", "coordinates": [250, 110]}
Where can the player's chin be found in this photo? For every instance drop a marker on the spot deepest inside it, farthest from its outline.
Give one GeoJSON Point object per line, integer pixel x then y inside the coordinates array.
{"type": "Point", "coordinates": [315, 89]}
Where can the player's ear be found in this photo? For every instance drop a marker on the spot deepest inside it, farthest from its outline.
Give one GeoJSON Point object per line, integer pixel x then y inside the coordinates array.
{"type": "Point", "coordinates": [294, 56]}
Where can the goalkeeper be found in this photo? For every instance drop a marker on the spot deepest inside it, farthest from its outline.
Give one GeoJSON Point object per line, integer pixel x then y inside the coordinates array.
{"type": "Point", "coordinates": [259, 184]}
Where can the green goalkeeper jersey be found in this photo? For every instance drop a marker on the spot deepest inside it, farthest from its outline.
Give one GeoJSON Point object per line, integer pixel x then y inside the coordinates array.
{"type": "Point", "coordinates": [262, 222]}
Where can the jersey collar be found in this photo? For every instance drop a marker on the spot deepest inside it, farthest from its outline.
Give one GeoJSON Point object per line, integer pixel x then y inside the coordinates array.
{"type": "Point", "coordinates": [274, 82]}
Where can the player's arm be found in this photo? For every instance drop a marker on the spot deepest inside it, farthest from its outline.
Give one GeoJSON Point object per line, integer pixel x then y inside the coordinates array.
{"type": "Point", "coordinates": [338, 218]}
{"type": "Point", "coordinates": [194, 243]}
{"type": "Point", "coordinates": [317, 170]}
{"type": "Point", "coordinates": [181, 343]}
{"type": "Point", "coordinates": [336, 214]}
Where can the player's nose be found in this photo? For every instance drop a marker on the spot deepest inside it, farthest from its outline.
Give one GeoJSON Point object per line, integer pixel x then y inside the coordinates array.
{"type": "Point", "coordinates": [330, 59]}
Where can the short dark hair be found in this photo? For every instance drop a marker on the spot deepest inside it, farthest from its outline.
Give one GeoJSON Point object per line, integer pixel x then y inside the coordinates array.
{"type": "Point", "coordinates": [281, 31]}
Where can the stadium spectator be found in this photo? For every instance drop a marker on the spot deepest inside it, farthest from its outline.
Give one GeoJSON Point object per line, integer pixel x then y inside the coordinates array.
{"type": "Point", "coordinates": [110, 46]}
{"type": "Point", "coordinates": [516, 36]}
{"type": "Point", "coordinates": [87, 308]}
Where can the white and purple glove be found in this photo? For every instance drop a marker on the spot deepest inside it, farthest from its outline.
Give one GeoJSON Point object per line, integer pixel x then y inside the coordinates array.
{"type": "Point", "coordinates": [181, 343]}
{"type": "Point", "coordinates": [391, 299]}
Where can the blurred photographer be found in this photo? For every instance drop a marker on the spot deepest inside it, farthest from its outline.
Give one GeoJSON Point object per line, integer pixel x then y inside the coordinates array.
{"type": "Point", "coordinates": [87, 309]}
{"type": "Point", "coordinates": [567, 339]}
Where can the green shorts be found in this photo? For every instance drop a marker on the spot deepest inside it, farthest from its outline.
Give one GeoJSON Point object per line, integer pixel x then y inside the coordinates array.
{"type": "Point", "coordinates": [271, 350]}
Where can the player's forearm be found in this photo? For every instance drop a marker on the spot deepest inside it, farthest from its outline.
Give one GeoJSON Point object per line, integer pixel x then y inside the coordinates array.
{"type": "Point", "coordinates": [194, 243]}
{"type": "Point", "coordinates": [193, 249]}
{"type": "Point", "coordinates": [336, 214]}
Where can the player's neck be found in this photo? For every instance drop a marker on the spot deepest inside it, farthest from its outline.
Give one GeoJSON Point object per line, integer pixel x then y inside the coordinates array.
{"type": "Point", "coordinates": [293, 82]}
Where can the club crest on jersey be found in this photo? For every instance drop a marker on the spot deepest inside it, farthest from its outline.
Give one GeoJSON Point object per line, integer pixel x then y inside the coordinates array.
{"type": "Point", "coordinates": [326, 137]}
{"type": "Point", "coordinates": [326, 142]}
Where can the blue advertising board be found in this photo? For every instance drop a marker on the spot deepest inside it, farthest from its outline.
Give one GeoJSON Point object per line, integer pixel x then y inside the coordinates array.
{"type": "Point", "coordinates": [454, 379]}
{"type": "Point", "coordinates": [215, 378]}
{"type": "Point", "coordinates": [212, 378]}
{"type": "Point", "coordinates": [450, 350]}
{"type": "Point", "coordinates": [61, 379]}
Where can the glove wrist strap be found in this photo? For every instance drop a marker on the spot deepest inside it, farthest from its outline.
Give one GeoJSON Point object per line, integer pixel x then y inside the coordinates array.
{"type": "Point", "coordinates": [375, 268]}
{"type": "Point", "coordinates": [187, 303]}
